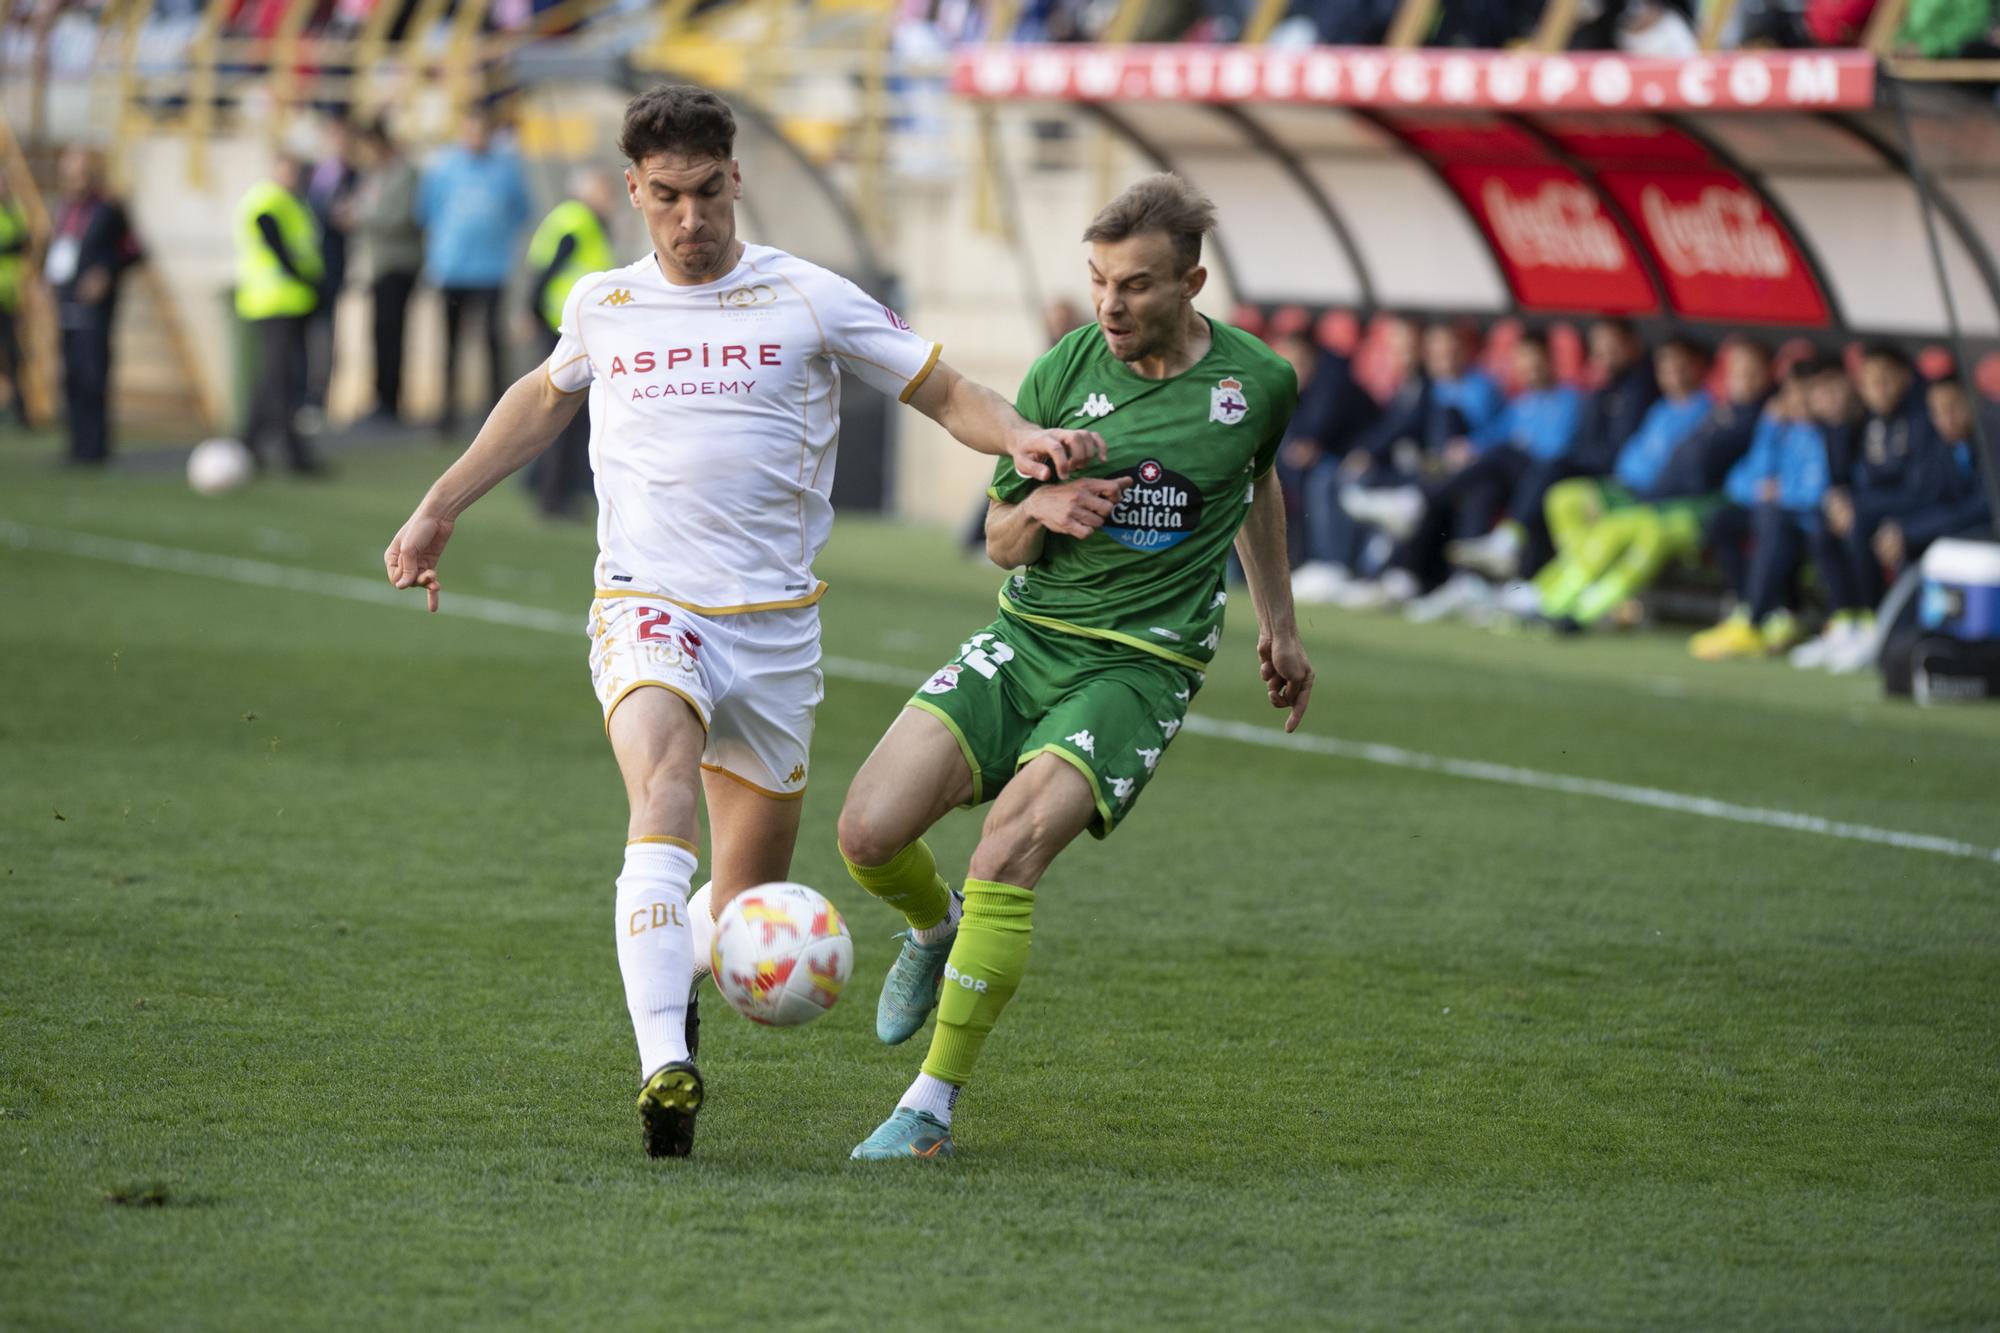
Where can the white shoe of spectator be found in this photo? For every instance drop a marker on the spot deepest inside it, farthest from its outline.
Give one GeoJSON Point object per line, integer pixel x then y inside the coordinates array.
{"type": "Point", "coordinates": [1395, 509]}
{"type": "Point", "coordinates": [1812, 654]}
{"type": "Point", "coordinates": [1857, 650]}
{"type": "Point", "coordinates": [1458, 595]}
{"type": "Point", "coordinates": [1394, 588]}
{"type": "Point", "coordinates": [1319, 582]}
{"type": "Point", "coordinates": [1520, 599]}
{"type": "Point", "coordinates": [1497, 555]}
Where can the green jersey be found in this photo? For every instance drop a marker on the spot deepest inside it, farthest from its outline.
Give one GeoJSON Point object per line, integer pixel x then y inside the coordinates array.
{"type": "Point", "coordinates": [1152, 576]}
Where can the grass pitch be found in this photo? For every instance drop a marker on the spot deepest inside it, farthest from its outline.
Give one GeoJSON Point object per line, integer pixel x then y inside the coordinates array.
{"type": "Point", "coordinates": [309, 1014]}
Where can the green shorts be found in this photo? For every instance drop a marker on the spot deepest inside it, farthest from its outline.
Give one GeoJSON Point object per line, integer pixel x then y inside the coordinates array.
{"type": "Point", "coordinates": [1017, 690]}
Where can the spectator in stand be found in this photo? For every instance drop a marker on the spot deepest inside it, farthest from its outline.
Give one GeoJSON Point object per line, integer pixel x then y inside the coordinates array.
{"type": "Point", "coordinates": [1963, 508]}
{"type": "Point", "coordinates": [570, 243]}
{"type": "Point", "coordinates": [1463, 399]}
{"type": "Point", "coordinates": [1654, 28]}
{"type": "Point", "coordinates": [473, 203]}
{"type": "Point", "coordinates": [1520, 545]}
{"type": "Point", "coordinates": [1476, 476]}
{"type": "Point", "coordinates": [278, 276]}
{"type": "Point", "coordinates": [1898, 468]}
{"type": "Point", "coordinates": [1486, 24]}
{"type": "Point", "coordinates": [1596, 522]}
{"type": "Point", "coordinates": [330, 195]}
{"type": "Point", "coordinates": [14, 240]}
{"type": "Point", "coordinates": [1773, 497]}
{"type": "Point", "coordinates": [90, 250]}
{"type": "Point", "coordinates": [1336, 23]}
{"type": "Point", "coordinates": [1837, 22]}
{"type": "Point", "coordinates": [1333, 410]}
{"type": "Point", "coordinates": [1950, 29]}
{"type": "Point", "coordinates": [1614, 538]}
{"type": "Point", "coordinates": [1334, 541]}
{"type": "Point", "coordinates": [391, 254]}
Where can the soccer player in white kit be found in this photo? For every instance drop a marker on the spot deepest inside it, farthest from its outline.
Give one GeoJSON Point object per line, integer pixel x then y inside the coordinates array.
{"type": "Point", "coordinates": [713, 370]}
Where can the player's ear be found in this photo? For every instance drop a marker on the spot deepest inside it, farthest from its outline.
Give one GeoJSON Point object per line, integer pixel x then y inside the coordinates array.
{"type": "Point", "coordinates": [632, 186]}
{"type": "Point", "coordinates": [735, 179]}
{"type": "Point", "coordinates": [1193, 281]}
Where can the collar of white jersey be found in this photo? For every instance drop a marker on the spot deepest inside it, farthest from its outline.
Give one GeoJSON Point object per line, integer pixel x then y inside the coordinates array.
{"type": "Point", "coordinates": [746, 265]}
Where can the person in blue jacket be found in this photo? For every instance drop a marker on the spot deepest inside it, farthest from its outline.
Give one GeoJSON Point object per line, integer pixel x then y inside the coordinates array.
{"type": "Point", "coordinates": [473, 203]}
{"type": "Point", "coordinates": [1475, 476]}
{"type": "Point", "coordinates": [1773, 497]}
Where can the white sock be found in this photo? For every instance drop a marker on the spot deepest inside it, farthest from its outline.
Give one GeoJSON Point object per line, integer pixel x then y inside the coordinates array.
{"type": "Point", "coordinates": [945, 929]}
{"type": "Point", "coordinates": [701, 925]}
{"type": "Point", "coordinates": [933, 1095]}
{"type": "Point", "coordinates": [655, 951]}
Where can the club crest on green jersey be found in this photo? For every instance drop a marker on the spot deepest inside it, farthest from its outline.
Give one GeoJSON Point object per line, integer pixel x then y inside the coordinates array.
{"type": "Point", "coordinates": [1226, 402]}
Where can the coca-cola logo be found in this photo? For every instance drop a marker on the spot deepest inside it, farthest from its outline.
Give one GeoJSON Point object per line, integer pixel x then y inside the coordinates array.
{"type": "Point", "coordinates": [1559, 226]}
{"type": "Point", "coordinates": [1723, 231]}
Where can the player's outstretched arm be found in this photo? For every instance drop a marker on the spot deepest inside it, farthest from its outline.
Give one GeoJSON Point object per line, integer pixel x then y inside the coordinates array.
{"type": "Point", "coordinates": [526, 421]}
{"type": "Point", "coordinates": [1281, 658]}
{"type": "Point", "coordinates": [986, 423]}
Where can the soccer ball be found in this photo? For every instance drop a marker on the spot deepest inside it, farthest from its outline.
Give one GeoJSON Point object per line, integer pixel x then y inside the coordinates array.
{"type": "Point", "coordinates": [781, 954]}
{"type": "Point", "coordinates": [216, 466]}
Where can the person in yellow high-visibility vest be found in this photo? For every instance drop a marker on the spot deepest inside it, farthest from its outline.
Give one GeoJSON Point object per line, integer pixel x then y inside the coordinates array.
{"type": "Point", "coordinates": [13, 273]}
{"type": "Point", "coordinates": [278, 270]}
{"type": "Point", "coordinates": [570, 243]}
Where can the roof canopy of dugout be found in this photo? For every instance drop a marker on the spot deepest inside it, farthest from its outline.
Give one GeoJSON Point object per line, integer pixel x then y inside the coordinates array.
{"type": "Point", "coordinates": [1754, 189]}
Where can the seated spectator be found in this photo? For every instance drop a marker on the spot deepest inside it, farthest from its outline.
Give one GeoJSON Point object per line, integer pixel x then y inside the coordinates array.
{"type": "Point", "coordinates": [1614, 538]}
{"type": "Point", "coordinates": [1475, 478]}
{"type": "Point", "coordinates": [1334, 541]}
{"type": "Point", "coordinates": [1520, 545]}
{"type": "Point", "coordinates": [1773, 496]}
{"type": "Point", "coordinates": [1333, 410]}
{"type": "Point", "coordinates": [1901, 472]}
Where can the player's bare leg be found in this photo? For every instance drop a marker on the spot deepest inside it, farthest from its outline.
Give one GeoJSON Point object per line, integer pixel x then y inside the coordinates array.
{"type": "Point", "coordinates": [1039, 813]}
{"type": "Point", "coordinates": [916, 774]}
{"type": "Point", "coordinates": [658, 740]}
{"type": "Point", "coordinates": [752, 835]}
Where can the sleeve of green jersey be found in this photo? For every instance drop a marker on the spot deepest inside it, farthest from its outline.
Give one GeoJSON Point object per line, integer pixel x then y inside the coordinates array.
{"type": "Point", "coordinates": [1285, 395]}
{"type": "Point", "coordinates": [1009, 486]}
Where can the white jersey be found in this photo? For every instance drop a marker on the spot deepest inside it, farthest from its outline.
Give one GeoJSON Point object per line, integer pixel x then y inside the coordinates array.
{"type": "Point", "coordinates": [715, 417]}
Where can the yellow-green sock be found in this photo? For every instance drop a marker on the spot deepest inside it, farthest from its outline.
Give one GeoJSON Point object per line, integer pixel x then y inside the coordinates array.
{"type": "Point", "coordinates": [986, 963]}
{"type": "Point", "coordinates": [909, 883]}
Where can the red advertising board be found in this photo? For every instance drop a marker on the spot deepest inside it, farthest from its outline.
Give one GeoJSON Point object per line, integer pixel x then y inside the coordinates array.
{"type": "Point", "coordinates": [1721, 252]}
{"type": "Point", "coordinates": [1447, 80]}
{"type": "Point", "coordinates": [1556, 243]}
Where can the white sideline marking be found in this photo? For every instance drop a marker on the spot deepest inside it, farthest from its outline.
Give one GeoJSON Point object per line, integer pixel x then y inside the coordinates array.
{"type": "Point", "coordinates": [261, 573]}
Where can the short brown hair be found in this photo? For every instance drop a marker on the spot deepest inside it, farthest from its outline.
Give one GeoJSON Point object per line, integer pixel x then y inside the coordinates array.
{"type": "Point", "coordinates": [677, 118]}
{"type": "Point", "coordinates": [1162, 202]}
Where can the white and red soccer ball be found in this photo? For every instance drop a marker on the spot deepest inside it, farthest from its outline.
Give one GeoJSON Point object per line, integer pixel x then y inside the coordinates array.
{"type": "Point", "coordinates": [781, 954]}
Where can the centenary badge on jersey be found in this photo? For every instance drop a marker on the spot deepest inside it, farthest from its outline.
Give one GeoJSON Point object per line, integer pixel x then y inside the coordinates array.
{"type": "Point", "coordinates": [1226, 402]}
{"type": "Point", "coordinates": [1158, 510]}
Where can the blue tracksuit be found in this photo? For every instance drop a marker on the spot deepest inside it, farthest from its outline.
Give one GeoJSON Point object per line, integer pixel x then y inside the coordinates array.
{"type": "Point", "coordinates": [1541, 423]}
{"type": "Point", "coordinates": [1474, 396]}
{"type": "Point", "coordinates": [1792, 452]}
{"type": "Point", "coordinates": [1644, 456]}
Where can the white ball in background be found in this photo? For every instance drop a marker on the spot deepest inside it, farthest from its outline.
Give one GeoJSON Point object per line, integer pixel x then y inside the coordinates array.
{"type": "Point", "coordinates": [781, 954]}
{"type": "Point", "coordinates": [219, 465]}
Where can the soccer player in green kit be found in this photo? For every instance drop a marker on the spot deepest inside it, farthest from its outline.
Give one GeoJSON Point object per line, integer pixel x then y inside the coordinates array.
{"type": "Point", "coordinates": [1059, 711]}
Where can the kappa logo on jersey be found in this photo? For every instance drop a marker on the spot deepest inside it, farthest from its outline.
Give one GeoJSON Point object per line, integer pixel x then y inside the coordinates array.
{"type": "Point", "coordinates": [1085, 742]}
{"type": "Point", "coordinates": [622, 296]}
{"type": "Point", "coordinates": [1151, 758]}
{"type": "Point", "coordinates": [744, 298]}
{"type": "Point", "coordinates": [1159, 510]}
{"type": "Point", "coordinates": [896, 319]}
{"type": "Point", "coordinates": [1226, 402]}
{"type": "Point", "coordinates": [945, 681]}
{"type": "Point", "coordinates": [1171, 726]}
{"type": "Point", "coordinates": [1094, 406]}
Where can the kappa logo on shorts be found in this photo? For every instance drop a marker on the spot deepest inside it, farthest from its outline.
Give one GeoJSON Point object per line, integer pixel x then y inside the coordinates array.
{"type": "Point", "coordinates": [797, 775]}
{"type": "Point", "coordinates": [1171, 726]}
{"type": "Point", "coordinates": [945, 681]}
{"type": "Point", "coordinates": [1122, 788]}
{"type": "Point", "coordinates": [1151, 757]}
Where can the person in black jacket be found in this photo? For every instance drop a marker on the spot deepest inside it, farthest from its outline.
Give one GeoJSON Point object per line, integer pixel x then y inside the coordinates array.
{"type": "Point", "coordinates": [90, 250]}
{"type": "Point", "coordinates": [1893, 466]}
{"type": "Point", "coordinates": [1333, 411]}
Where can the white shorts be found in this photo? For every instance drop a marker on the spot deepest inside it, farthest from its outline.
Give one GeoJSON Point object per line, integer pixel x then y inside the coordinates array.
{"type": "Point", "coordinates": [753, 679]}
